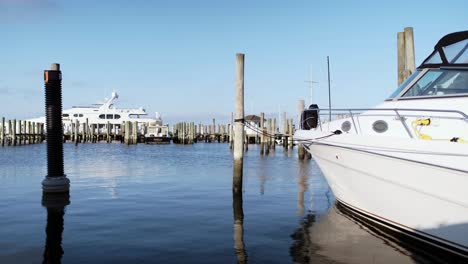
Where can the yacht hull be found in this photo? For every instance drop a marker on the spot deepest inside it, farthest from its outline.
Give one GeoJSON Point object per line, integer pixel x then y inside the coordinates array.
{"type": "Point", "coordinates": [401, 190]}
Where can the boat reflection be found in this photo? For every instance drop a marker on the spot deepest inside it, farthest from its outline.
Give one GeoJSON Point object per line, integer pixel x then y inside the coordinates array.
{"type": "Point", "coordinates": [55, 205]}
{"type": "Point", "coordinates": [239, 244]}
{"type": "Point", "coordinates": [339, 237]}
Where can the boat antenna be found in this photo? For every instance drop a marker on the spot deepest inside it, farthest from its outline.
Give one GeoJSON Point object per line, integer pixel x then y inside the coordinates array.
{"type": "Point", "coordinates": [329, 90]}
{"type": "Point", "coordinates": [311, 82]}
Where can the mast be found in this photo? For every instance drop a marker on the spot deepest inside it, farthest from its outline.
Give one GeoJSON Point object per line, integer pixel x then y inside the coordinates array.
{"type": "Point", "coordinates": [329, 90]}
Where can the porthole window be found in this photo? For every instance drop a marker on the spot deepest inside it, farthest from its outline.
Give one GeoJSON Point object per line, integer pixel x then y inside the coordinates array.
{"type": "Point", "coordinates": [65, 115]}
{"type": "Point", "coordinates": [75, 115]}
{"type": "Point", "coordinates": [346, 126]}
{"type": "Point", "coordinates": [380, 126]}
{"type": "Point", "coordinates": [102, 116]}
{"type": "Point", "coordinates": [117, 117]}
{"type": "Point", "coordinates": [110, 116]}
{"type": "Point", "coordinates": [80, 115]}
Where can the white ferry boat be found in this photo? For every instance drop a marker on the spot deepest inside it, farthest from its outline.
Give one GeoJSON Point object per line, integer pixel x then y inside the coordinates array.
{"type": "Point", "coordinates": [105, 113]}
{"type": "Point", "coordinates": [404, 163]}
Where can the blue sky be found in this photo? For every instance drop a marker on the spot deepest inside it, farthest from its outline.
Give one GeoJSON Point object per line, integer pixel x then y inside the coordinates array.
{"type": "Point", "coordinates": [178, 57]}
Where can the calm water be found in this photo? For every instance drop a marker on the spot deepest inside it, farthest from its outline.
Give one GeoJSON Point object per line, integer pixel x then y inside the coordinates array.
{"type": "Point", "coordinates": [173, 204]}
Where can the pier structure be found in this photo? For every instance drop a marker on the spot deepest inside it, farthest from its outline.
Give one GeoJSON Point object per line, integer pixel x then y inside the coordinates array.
{"type": "Point", "coordinates": [19, 132]}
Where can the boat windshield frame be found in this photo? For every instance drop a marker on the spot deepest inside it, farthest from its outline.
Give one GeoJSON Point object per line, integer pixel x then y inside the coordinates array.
{"type": "Point", "coordinates": [448, 52]}
{"type": "Point", "coordinates": [445, 83]}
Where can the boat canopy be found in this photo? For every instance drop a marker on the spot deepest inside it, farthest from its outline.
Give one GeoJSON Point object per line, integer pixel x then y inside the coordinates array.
{"type": "Point", "coordinates": [451, 50]}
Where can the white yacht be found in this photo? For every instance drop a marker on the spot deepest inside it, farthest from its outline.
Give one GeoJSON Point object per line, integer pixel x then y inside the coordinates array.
{"type": "Point", "coordinates": [404, 163]}
{"type": "Point", "coordinates": [104, 113]}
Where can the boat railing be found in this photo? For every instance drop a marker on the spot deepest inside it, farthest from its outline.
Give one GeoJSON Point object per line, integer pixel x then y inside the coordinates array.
{"type": "Point", "coordinates": [401, 114]}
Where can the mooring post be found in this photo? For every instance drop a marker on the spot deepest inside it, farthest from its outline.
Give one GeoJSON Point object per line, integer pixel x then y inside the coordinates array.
{"type": "Point", "coordinates": [56, 181]}
{"type": "Point", "coordinates": [285, 131]}
{"type": "Point", "coordinates": [107, 132]}
{"type": "Point", "coordinates": [239, 125]}
{"type": "Point", "coordinates": [13, 132]}
{"type": "Point", "coordinates": [262, 133]}
{"type": "Point", "coordinates": [409, 51]}
{"type": "Point", "coordinates": [401, 56]}
{"type": "Point", "coordinates": [273, 133]}
{"type": "Point", "coordinates": [300, 147]}
{"type": "Point", "coordinates": [18, 132]}
{"type": "Point", "coordinates": [291, 132]}
{"type": "Point", "coordinates": [231, 132]}
{"type": "Point", "coordinates": [2, 135]}
{"type": "Point", "coordinates": [267, 136]}
{"type": "Point", "coordinates": [135, 132]}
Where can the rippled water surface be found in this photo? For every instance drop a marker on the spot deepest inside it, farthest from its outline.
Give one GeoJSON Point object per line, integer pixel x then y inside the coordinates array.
{"type": "Point", "coordinates": [174, 204]}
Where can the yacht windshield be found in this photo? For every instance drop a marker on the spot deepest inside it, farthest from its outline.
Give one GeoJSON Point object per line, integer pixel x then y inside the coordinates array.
{"type": "Point", "coordinates": [404, 84]}
{"type": "Point", "coordinates": [440, 82]}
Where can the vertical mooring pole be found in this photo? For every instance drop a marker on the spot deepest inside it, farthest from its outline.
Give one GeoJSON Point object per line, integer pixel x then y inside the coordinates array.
{"type": "Point", "coordinates": [239, 125]}
{"type": "Point", "coordinates": [405, 47]}
{"type": "Point", "coordinates": [300, 147]}
{"type": "Point", "coordinates": [55, 181]}
{"type": "Point", "coordinates": [401, 57]}
{"type": "Point", "coordinates": [409, 51]}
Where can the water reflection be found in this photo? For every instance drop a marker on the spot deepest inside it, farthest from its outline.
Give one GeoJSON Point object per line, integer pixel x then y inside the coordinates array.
{"type": "Point", "coordinates": [339, 237]}
{"type": "Point", "coordinates": [55, 204]}
{"type": "Point", "coordinates": [239, 244]}
{"type": "Point", "coordinates": [302, 185]}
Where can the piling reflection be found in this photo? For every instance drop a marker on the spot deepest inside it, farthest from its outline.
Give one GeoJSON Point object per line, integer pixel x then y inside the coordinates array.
{"type": "Point", "coordinates": [55, 204]}
{"type": "Point", "coordinates": [302, 185]}
{"type": "Point", "coordinates": [239, 244]}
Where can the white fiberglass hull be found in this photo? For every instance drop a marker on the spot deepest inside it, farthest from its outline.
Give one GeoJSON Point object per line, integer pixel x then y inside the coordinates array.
{"type": "Point", "coordinates": [397, 186]}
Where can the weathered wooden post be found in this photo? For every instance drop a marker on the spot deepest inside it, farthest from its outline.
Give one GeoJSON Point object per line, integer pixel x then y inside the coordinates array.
{"type": "Point", "coordinates": [231, 132]}
{"type": "Point", "coordinates": [405, 47]}
{"type": "Point", "coordinates": [135, 132]}
{"type": "Point", "coordinates": [262, 133]}
{"type": "Point", "coordinates": [300, 147]}
{"type": "Point", "coordinates": [77, 131]}
{"type": "Point", "coordinates": [2, 135]}
{"type": "Point", "coordinates": [127, 133]}
{"type": "Point", "coordinates": [273, 134]}
{"type": "Point", "coordinates": [239, 125]}
{"type": "Point", "coordinates": [285, 131]}
{"type": "Point", "coordinates": [291, 132]}
{"type": "Point", "coordinates": [13, 132]}
{"type": "Point", "coordinates": [409, 51]}
{"type": "Point", "coordinates": [108, 132]}
{"type": "Point", "coordinates": [86, 131]}
{"type": "Point", "coordinates": [267, 136]}
{"type": "Point", "coordinates": [401, 57]}
{"type": "Point", "coordinates": [55, 181]}
{"type": "Point", "coordinates": [18, 130]}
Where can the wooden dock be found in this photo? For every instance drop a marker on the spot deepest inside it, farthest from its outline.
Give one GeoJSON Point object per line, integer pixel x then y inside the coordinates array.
{"type": "Point", "coordinates": [19, 132]}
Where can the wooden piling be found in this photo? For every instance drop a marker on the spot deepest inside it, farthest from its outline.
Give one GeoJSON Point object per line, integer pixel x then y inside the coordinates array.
{"type": "Point", "coordinates": [108, 132]}
{"type": "Point", "coordinates": [135, 132]}
{"type": "Point", "coordinates": [291, 132]}
{"type": "Point", "coordinates": [300, 147]}
{"type": "Point", "coordinates": [127, 132]}
{"type": "Point", "coordinates": [285, 131]}
{"type": "Point", "coordinates": [239, 125]}
{"type": "Point", "coordinates": [13, 132]}
{"type": "Point", "coordinates": [2, 133]}
{"type": "Point", "coordinates": [401, 57]}
{"type": "Point", "coordinates": [409, 51]}
{"type": "Point", "coordinates": [262, 133]}
{"type": "Point", "coordinates": [273, 134]}
{"type": "Point", "coordinates": [267, 136]}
